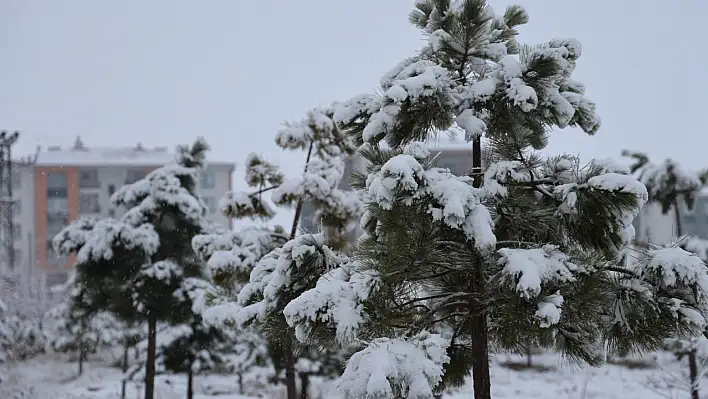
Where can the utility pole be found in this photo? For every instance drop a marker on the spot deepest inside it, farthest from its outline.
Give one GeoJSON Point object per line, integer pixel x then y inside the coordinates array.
{"type": "Point", "coordinates": [7, 239]}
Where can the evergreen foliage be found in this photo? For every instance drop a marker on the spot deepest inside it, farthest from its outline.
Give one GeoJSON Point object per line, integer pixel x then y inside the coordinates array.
{"type": "Point", "coordinates": [135, 266]}
{"type": "Point", "coordinates": [676, 190]}
{"type": "Point", "coordinates": [526, 252]}
{"type": "Point", "coordinates": [256, 267]}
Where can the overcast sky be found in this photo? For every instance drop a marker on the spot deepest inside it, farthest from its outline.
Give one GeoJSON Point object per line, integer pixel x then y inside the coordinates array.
{"type": "Point", "coordinates": [162, 72]}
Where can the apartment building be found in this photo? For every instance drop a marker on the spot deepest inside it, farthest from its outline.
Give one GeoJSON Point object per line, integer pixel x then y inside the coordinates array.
{"type": "Point", "coordinates": [652, 225]}
{"type": "Point", "coordinates": [61, 184]}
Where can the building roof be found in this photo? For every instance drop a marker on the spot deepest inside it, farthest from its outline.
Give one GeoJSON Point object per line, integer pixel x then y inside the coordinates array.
{"type": "Point", "coordinates": [81, 155]}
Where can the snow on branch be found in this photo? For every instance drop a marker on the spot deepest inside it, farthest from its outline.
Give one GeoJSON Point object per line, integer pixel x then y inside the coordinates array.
{"type": "Point", "coordinates": [104, 236]}
{"type": "Point", "coordinates": [337, 299]}
{"type": "Point", "coordinates": [453, 198]}
{"type": "Point", "coordinates": [304, 255]}
{"type": "Point", "coordinates": [417, 81]}
{"type": "Point", "coordinates": [530, 269]}
{"type": "Point", "coordinates": [390, 368]}
{"type": "Point", "coordinates": [675, 267]}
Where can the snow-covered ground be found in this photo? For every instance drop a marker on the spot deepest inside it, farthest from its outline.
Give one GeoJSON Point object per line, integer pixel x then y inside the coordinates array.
{"type": "Point", "coordinates": [52, 377]}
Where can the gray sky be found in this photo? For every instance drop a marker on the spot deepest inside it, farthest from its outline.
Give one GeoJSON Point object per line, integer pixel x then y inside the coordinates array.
{"type": "Point", "coordinates": [164, 71]}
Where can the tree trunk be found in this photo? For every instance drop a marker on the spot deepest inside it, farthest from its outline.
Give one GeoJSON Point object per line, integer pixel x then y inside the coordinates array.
{"type": "Point", "coordinates": [126, 348]}
{"type": "Point", "coordinates": [240, 384]}
{"type": "Point", "coordinates": [290, 382]}
{"type": "Point", "coordinates": [190, 384]}
{"type": "Point", "coordinates": [288, 353]}
{"type": "Point", "coordinates": [304, 385]}
{"type": "Point", "coordinates": [478, 323]}
{"type": "Point", "coordinates": [82, 352]}
{"type": "Point", "coordinates": [136, 353]}
{"type": "Point", "coordinates": [150, 360]}
{"type": "Point", "coordinates": [529, 361]}
{"type": "Point", "coordinates": [693, 370]}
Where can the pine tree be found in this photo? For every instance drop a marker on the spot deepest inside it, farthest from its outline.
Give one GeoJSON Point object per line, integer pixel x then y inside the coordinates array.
{"type": "Point", "coordinates": [525, 252]}
{"type": "Point", "coordinates": [231, 255]}
{"type": "Point", "coordinates": [247, 268]}
{"type": "Point", "coordinates": [193, 348]}
{"type": "Point", "coordinates": [134, 266]}
{"type": "Point", "coordinates": [675, 188]}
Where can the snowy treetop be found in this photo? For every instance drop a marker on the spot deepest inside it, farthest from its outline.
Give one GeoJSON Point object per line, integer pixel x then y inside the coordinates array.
{"type": "Point", "coordinates": [162, 187]}
{"type": "Point", "coordinates": [94, 240]}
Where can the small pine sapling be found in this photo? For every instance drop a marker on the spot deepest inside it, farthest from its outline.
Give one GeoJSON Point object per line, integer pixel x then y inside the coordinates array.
{"type": "Point", "coordinates": [133, 266]}
{"type": "Point", "coordinates": [292, 263]}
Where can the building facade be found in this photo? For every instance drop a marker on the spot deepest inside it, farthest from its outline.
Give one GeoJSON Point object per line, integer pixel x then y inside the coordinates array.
{"type": "Point", "coordinates": [652, 225]}
{"type": "Point", "coordinates": [60, 185]}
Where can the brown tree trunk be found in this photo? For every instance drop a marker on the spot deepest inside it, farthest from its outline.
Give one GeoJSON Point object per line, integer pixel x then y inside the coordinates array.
{"type": "Point", "coordinates": [290, 381]}
{"type": "Point", "coordinates": [190, 384]}
{"type": "Point", "coordinates": [125, 370]}
{"type": "Point", "coordinates": [304, 385]}
{"type": "Point", "coordinates": [693, 370]}
{"type": "Point", "coordinates": [82, 353]}
{"type": "Point", "coordinates": [478, 323]}
{"type": "Point", "coordinates": [150, 360]}
{"type": "Point", "coordinates": [529, 361]}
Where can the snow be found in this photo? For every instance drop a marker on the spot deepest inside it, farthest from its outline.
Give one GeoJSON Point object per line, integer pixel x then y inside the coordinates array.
{"type": "Point", "coordinates": [337, 298]}
{"type": "Point", "coordinates": [529, 269]}
{"type": "Point", "coordinates": [271, 274]}
{"type": "Point", "coordinates": [54, 377]}
{"type": "Point", "coordinates": [415, 365]}
{"type": "Point", "coordinates": [454, 200]}
{"type": "Point", "coordinates": [676, 266]}
{"type": "Point", "coordinates": [95, 240]}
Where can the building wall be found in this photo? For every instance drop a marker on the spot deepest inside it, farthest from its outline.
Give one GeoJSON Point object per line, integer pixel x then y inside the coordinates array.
{"type": "Point", "coordinates": [42, 210]}
{"type": "Point", "coordinates": [695, 221]}
{"type": "Point", "coordinates": [652, 225]}
{"type": "Point", "coordinates": [23, 214]}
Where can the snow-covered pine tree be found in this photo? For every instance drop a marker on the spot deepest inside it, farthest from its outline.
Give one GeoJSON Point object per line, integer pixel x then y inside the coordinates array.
{"type": "Point", "coordinates": [134, 266]}
{"type": "Point", "coordinates": [674, 189]}
{"type": "Point", "coordinates": [263, 262]}
{"type": "Point", "coordinates": [231, 255]}
{"type": "Point", "coordinates": [71, 328]}
{"type": "Point", "coordinates": [193, 349]}
{"type": "Point", "coordinates": [524, 252]}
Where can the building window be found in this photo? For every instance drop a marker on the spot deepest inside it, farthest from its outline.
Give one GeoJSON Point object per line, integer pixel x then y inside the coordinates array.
{"type": "Point", "coordinates": [57, 180]}
{"type": "Point", "coordinates": [134, 174]}
{"type": "Point", "coordinates": [16, 231]}
{"type": "Point", "coordinates": [17, 256]}
{"type": "Point", "coordinates": [16, 208]}
{"type": "Point", "coordinates": [57, 278]}
{"type": "Point", "coordinates": [57, 205]}
{"type": "Point", "coordinates": [88, 178]}
{"type": "Point", "coordinates": [207, 180]}
{"type": "Point", "coordinates": [89, 203]}
{"type": "Point", "coordinates": [210, 203]}
{"type": "Point", "coordinates": [16, 178]}
{"type": "Point", "coordinates": [111, 189]}
{"type": "Point", "coordinates": [54, 258]}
